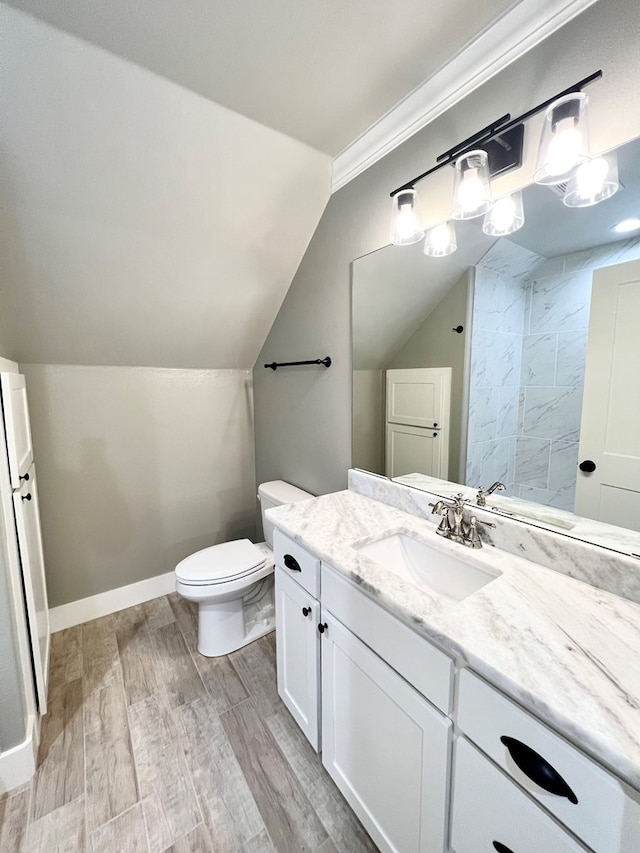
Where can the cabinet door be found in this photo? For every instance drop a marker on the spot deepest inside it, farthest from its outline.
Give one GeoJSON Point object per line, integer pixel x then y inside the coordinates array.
{"type": "Point", "coordinates": [490, 813]}
{"type": "Point", "coordinates": [384, 745]}
{"type": "Point", "coordinates": [18, 431]}
{"type": "Point", "coordinates": [298, 654]}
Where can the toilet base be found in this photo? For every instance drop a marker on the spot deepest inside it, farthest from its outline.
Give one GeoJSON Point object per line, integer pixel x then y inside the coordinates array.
{"type": "Point", "coordinates": [222, 628]}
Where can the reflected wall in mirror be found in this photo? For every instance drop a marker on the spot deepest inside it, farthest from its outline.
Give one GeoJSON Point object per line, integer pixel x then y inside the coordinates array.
{"type": "Point", "coordinates": [543, 376]}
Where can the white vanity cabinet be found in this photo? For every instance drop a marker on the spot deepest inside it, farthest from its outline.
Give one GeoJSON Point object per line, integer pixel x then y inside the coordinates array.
{"type": "Point", "coordinates": [384, 745]}
{"type": "Point", "coordinates": [297, 583]}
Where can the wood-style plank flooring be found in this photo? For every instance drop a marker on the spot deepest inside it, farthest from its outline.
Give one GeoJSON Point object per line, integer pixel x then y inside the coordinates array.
{"type": "Point", "coordinates": [150, 747]}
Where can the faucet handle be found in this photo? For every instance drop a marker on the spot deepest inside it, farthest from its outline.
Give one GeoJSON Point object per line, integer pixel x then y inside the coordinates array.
{"type": "Point", "coordinates": [471, 537]}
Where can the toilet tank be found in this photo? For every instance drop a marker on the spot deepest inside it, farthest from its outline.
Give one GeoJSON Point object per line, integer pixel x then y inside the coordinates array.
{"type": "Point", "coordinates": [276, 493]}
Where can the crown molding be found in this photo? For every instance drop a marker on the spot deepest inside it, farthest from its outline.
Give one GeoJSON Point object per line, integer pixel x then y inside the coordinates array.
{"type": "Point", "coordinates": [520, 29]}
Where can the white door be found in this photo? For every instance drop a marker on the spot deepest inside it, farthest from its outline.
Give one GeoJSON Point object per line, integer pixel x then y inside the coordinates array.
{"type": "Point", "coordinates": [418, 403]}
{"type": "Point", "coordinates": [18, 431]}
{"type": "Point", "coordinates": [298, 654]}
{"type": "Point", "coordinates": [610, 431]}
{"type": "Point", "coordinates": [27, 513]}
{"type": "Point", "coordinates": [384, 745]}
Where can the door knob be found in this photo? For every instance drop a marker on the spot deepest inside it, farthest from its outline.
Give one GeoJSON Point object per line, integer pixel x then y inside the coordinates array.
{"type": "Point", "coordinates": [24, 477]}
{"type": "Point", "coordinates": [306, 611]}
{"type": "Point", "coordinates": [26, 497]}
{"type": "Point", "coordinates": [588, 466]}
{"type": "Point", "coordinates": [322, 627]}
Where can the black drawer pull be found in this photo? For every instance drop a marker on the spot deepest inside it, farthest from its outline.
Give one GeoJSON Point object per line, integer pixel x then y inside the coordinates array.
{"type": "Point", "coordinates": [306, 611]}
{"type": "Point", "coordinates": [26, 497]}
{"type": "Point", "coordinates": [291, 563]}
{"type": "Point", "coordinates": [24, 477]}
{"type": "Point", "coordinates": [502, 848]}
{"type": "Point", "coordinates": [322, 627]}
{"type": "Point", "coordinates": [537, 769]}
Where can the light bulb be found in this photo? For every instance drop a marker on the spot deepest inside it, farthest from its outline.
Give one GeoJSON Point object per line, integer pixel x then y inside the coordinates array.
{"type": "Point", "coordinates": [505, 217]}
{"type": "Point", "coordinates": [472, 189]}
{"type": "Point", "coordinates": [405, 222]}
{"type": "Point", "coordinates": [564, 148]}
{"type": "Point", "coordinates": [594, 181]}
{"type": "Point", "coordinates": [627, 225]}
{"type": "Point", "coordinates": [440, 241]}
{"type": "Point", "coordinates": [471, 192]}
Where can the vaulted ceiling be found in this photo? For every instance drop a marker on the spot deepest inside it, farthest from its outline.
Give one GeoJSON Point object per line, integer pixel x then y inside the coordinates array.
{"type": "Point", "coordinates": [165, 163]}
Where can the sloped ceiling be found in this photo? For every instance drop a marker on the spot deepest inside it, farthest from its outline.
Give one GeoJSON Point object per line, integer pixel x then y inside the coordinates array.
{"type": "Point", "coordinates": [142, 223]}
{"type": "Point", "coordinates": [320, 71]}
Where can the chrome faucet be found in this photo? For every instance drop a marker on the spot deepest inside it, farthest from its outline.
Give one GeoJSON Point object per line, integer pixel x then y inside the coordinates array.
{"type": "Point", "coordinates": [460, 531]}
{"type": "Point", "coordinates": [481, 497]}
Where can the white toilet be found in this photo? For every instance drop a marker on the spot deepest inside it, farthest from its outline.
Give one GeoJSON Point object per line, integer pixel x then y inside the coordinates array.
{"type": "Point", "coordinates": [233, 582]}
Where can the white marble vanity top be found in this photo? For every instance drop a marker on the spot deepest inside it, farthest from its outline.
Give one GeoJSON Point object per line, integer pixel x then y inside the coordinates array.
{"type": "Point", "coordinates": [566, 650]}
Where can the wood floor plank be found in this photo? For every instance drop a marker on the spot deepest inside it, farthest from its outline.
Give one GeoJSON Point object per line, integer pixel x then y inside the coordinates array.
{"type": "Point", "coordinates": [177, 671]}
{"type": "Point", "coordinates": [100, 658]}
{"type": "Point", "coordinates": [197, 841]}
{"type": "Point", "coordinates": [186, 615]}
{"type": "Point", "coordinates": [60, 775]}
{"type": "Point", "coordinates": [111, 786]}
{"type": "Point", "coordinates": [330, 847]}
{"type": "Point", "coordinates": [157, 613]}
{"type": "Point", "coordinates": [65, 656]}
{"type": "Point", "coordinates": [257, 671]}
{"type": "Point", "coordinates": [14, 816]}
{"type": "Point", "coordinates": [161, 767]}
{"type": "Point", "coordinates": [337, 817]}
{"type": "Point", "coordinates": [60, 831]}
{"type": "Point", "coordinates": [137, 660]}
{"type": "Point", "coordinates": [159, 832]}
{"type": "Point", "coordinates": [221, 681]}
{"type": "Point", "coordinates": [259, 844]}
{"type": "Point", "coordinates": [228, 807]}
{"type": "Point", "coordinates": [125, 834]}
{"type": "Point", "coordinates": [287, 813]}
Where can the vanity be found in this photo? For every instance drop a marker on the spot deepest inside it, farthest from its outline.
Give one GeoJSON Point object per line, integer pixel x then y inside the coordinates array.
{"type": "Point", "coordinates": [464, 700]}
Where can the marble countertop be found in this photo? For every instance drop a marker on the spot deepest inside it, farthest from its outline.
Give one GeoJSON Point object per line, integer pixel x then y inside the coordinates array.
{"type": "Point", "coordinates": [564, 649]}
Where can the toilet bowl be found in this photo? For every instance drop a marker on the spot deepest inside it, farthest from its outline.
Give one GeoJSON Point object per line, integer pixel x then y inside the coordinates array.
{"type": "Point", "coordinates": [232, 583]}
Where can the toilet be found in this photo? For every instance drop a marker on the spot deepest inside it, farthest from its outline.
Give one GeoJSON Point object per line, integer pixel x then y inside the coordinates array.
{"type": "Point", "coordinates": [232, 583]}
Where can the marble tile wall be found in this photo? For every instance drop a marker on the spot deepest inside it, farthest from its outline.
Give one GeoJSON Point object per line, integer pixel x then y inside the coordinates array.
{"type": "Point", "coordinates": [554, 346]}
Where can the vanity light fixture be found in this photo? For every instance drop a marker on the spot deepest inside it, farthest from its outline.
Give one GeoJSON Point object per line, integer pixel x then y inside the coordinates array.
{"type": "Point", "coordinates": [405, 218]}
{"type": "Point", "coordinates": [593, 182]}
{"type": "Point", "coordinates": [564, 142]}
{"type": "Point", "coordinates": [441, 240]}
{"type": "Point", "coordinates": [627, 225]}
{"type": "Point", "coordinates": [501, 143]}
{"type": "Point", "coordinates": [472, 185]}
{"type": "Point", "coordinates": [505, 217]}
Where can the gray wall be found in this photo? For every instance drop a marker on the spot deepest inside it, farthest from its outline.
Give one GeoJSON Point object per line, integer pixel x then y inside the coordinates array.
{"type": "Point", "coordinates": [303, 416]}
{"type": "Point", "coordinates": [435, 344]}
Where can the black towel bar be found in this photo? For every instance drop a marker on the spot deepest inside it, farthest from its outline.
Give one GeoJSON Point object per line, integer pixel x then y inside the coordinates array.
{"type": "Point", "coordinates": [276, 364]}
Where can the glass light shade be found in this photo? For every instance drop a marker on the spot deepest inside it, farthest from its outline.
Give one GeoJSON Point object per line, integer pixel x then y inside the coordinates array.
{"type": "Point", "coordinates": [472, 186]}
{"type": "Point", "coordinates": [505, 217]}
{"type": "Point", "coordinates": [564, 142]}
{"type": "Point", "coordinates": [405, 218]}
{"type": "Point", "coordinates": [441, 241]}
{"type": "Point", "coordinates": [593, 181]}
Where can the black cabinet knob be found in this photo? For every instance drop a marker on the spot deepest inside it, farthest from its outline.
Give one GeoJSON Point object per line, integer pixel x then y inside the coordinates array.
{"type": "Point", "coordinates": [306, 611]}
{"type": "Point", "coordinates": [502, 848]}
{"type": "Point", "coordinates": [26, 497]}
{"type": "Point", "coordinates": [24, 477]}
{"type": "Point", "coordinates": [322, 627]}
{"type": "Point", "coordinates": [536, 768]}
{"type": "Point", "coordinates": [588, 466]}
{"type": "Point", "coordinates": [291, 563]}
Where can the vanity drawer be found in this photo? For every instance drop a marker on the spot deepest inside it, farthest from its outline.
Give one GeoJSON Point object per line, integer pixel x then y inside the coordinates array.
{"type": "Point", "coordinates": [596, 806]}
{"type": "Point", "coordinates": [297, 562]}
{"type": "Point", "coordinates": [426, 668]}
{"type": "Point", "coordinates": [489, 813]}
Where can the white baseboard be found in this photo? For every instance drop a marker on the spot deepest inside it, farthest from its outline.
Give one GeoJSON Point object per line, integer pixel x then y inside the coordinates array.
{"type": "Point", "coordinates": [86, 609]}
{"type": "Point", "coordinates": [17, 765]}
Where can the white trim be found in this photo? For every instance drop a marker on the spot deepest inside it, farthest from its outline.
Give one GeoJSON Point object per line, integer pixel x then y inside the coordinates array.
{"type": "Point", "coordinates": [85, 609]}
{"type": "Point", "coordinates": [18, 764]}
{"type": "Point", "coordinates": [522, 28]}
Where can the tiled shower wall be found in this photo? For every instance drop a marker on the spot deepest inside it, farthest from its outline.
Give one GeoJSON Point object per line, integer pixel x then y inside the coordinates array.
{"type": "Point", "coordinates": [540, 363]}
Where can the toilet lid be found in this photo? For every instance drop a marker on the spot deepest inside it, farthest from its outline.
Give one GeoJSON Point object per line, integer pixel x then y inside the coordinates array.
{"type": "Point", "coordinates": [219, 563]}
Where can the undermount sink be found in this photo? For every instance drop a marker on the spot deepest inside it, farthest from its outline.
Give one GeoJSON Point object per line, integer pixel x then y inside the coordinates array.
{"type": "Point", "coordinates": [450, 576]}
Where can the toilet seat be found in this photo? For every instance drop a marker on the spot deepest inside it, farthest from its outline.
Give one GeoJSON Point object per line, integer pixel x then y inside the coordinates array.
{"type": "Point", "coordinates": [221, 563]}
